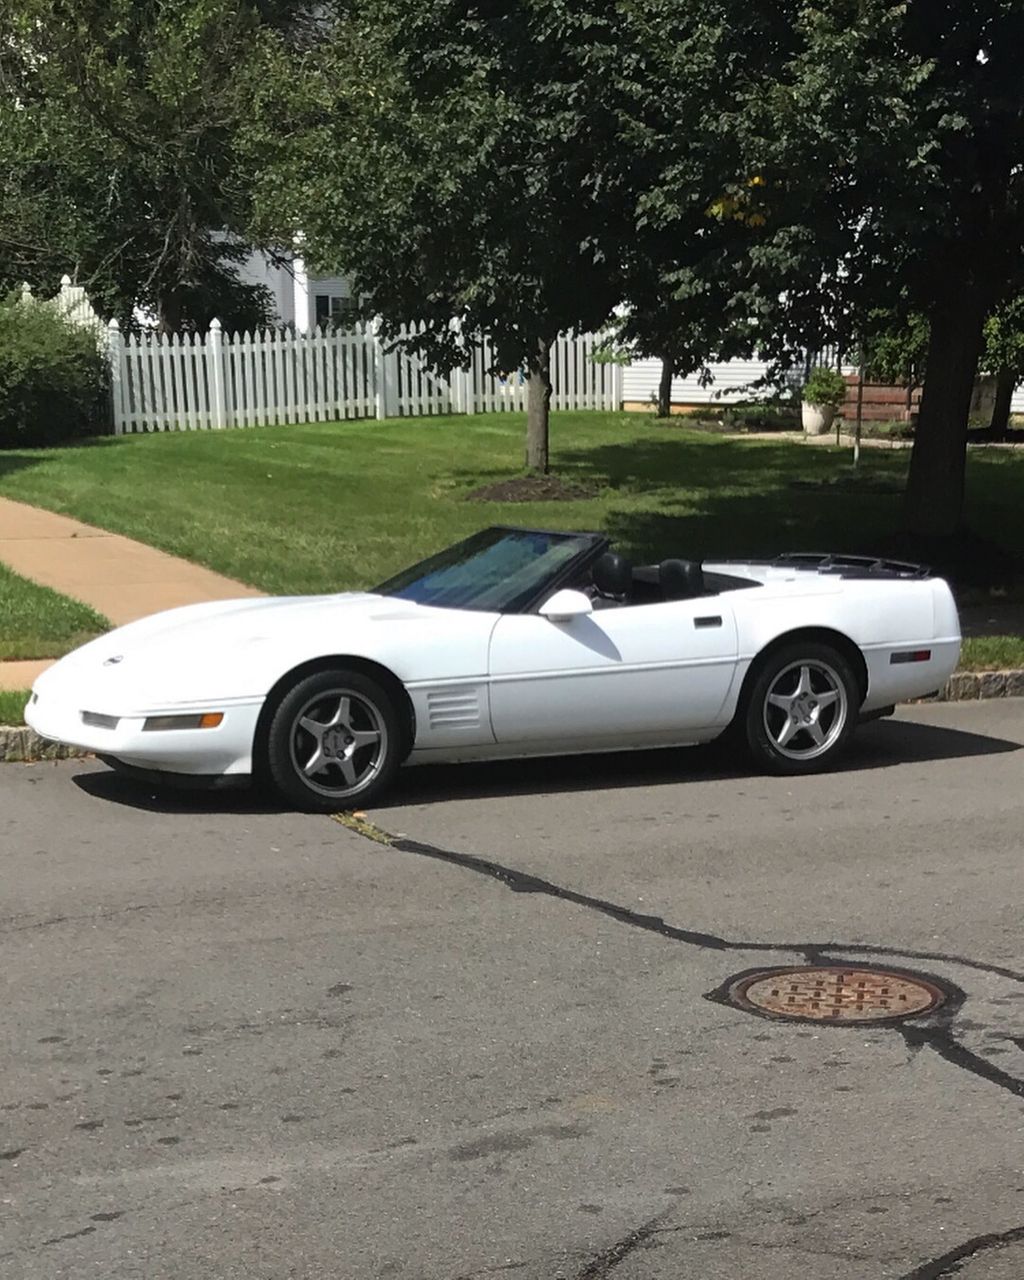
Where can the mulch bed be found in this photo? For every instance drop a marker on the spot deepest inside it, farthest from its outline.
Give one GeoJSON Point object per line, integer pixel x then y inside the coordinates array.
{"type": "Point", "coordinates": [533, 489]}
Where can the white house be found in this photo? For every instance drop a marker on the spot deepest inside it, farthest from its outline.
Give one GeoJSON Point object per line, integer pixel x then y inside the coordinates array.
{"type": "Point", "coordinates": [307, 301]}
{"type": "Point", "coordinates": [301, 299]}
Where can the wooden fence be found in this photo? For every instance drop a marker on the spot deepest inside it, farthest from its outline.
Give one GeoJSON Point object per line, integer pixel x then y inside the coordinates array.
{"type": "Point", "coordinates": [214, 380]}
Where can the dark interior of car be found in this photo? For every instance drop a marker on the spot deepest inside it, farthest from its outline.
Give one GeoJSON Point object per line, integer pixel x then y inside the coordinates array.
{"type": "Point", "coordinates": [615, 581]}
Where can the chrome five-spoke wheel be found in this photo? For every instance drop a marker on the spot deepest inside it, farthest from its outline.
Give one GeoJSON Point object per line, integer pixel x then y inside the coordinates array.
{"type": "Point", "coordinates": [801, 707]}
{"type": "Point", "coordinates": [338, 742]}
{"type": "Point", "coordinates": [334, 740]}
{"type": "Point", "coordinates": [805, 709]}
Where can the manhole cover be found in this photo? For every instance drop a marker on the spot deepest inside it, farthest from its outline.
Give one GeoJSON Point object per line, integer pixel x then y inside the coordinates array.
{"type": "Point", "coordinates": [835, 993]}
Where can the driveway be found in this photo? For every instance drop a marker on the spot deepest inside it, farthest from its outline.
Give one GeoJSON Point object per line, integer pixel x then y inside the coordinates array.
{"type": "Point", "coordinates": [473, 1038]}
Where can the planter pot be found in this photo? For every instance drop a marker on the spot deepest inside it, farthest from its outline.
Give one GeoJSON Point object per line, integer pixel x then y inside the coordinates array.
{"type": "Point", "coordinates": [817, 418]}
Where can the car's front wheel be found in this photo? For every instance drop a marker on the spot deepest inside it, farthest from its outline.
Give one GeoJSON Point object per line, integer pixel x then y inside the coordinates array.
{"type": "Point", "coordinates": [334, 741]}
{"type": "Point", "coordinates": [801, 709]}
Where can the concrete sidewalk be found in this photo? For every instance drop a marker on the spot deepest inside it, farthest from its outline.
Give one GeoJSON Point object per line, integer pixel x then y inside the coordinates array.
{"type": "Point", "coordinates": [119, 578]}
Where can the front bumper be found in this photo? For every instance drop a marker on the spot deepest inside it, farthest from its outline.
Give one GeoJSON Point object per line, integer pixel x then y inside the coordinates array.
{"type": "Point", "coordinates": [225, 750]}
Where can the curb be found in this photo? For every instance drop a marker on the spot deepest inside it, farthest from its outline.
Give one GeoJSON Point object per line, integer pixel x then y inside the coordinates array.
{"type": "Point", "coordinates": [968, 686]}
{"type": "Point", "coordinates": [24, 745]}
{"type": "Point", "coordinates": [19, 746]}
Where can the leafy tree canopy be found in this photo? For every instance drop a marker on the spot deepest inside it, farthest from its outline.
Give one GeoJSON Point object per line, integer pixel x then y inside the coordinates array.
{"type": "Point", "coordinates": [892, 141]}
{"type": "Point", "coordinates": [737, 174]}
{"type": "Point", "coordinates": [117, 128]}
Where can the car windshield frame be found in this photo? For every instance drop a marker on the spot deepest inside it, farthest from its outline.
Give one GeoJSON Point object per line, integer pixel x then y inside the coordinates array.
{"type": "Point", "coordinates": [524, 597]}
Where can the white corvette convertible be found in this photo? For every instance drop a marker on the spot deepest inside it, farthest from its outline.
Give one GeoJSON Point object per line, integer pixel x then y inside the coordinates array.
{"type": "Point", "coordinates": [514, 642]}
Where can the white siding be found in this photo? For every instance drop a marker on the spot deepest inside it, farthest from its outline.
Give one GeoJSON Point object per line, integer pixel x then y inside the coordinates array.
{"type": "Point", "coordinates": [258, 269]}
{"type": "Point", "coordinates": [333, 286]}
{"type": "Point", "coordinates": [640, 383]}
{"type": "Point", "coordinates": [294, 294]}
{"type": "Point", "coordinates": [325, 286]}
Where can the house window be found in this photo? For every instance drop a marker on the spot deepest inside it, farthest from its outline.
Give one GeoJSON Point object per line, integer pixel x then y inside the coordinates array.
{"type": "Point", "coordinates": [329, 309]}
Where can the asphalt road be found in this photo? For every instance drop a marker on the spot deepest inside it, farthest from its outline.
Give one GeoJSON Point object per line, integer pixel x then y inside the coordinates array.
{"type": "Point", "coordinates": [239, 1043]}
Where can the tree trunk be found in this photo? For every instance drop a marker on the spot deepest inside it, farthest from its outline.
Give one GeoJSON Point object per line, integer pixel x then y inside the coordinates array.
{"type": "Point", "coordinates": [538, 408]}
{"type": "Point", "coordinates": [665, 389]}
{"type": "Point", "coordinates": [935, 487]}
{"type": "Point", "coordinates": [1006, 383]}
{"type": "Point", "coordinates": [169, 312]}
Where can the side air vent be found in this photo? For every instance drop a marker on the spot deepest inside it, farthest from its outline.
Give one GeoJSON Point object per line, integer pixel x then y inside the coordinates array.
{"type": "Point", "coordinates": [454, 709]}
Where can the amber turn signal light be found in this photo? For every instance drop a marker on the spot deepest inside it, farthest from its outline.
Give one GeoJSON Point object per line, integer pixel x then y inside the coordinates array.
{"type": "Point", "coordinates": [160, 724]}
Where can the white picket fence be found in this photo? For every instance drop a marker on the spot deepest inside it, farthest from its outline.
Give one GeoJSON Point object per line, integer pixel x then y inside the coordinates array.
{"type": "Point", "coordinates": [72, 302]}
{"type": "Point", "coordinates": [191, 381]}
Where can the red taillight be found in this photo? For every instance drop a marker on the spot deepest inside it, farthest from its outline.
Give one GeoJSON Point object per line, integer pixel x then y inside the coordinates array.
{"type": "Point", "coordinates": [911, 655]}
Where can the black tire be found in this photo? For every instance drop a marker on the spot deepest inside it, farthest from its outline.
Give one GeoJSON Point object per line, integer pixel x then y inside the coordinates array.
{"type": "Point", "coordinates": [818, 730]}
{"type": "Point", "coordinates": [350, 710]}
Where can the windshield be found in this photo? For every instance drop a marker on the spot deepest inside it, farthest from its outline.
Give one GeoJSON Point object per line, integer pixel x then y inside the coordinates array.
{"type": "Point", "coordinates": [496, 571]}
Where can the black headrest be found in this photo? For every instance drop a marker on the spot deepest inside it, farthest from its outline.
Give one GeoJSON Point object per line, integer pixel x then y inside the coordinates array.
{"type": "Point", "coordinates": [613, 575]}
{"type": "Point", "coordinates": [680, 579]}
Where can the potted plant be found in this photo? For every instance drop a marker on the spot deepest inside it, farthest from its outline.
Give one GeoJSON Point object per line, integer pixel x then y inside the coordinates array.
{"type": "Point", "coordinates": [823, 393]}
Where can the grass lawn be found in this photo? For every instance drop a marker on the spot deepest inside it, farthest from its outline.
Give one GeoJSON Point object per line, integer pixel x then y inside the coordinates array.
{"type": "Point", "coordinates": [992, 653]}
{"type": "Point", "coordinates": [331, 506]}
{"type": "Point", "coordinates": [36, 622]}
{"type": "Point", "coordinates": [12, 706]}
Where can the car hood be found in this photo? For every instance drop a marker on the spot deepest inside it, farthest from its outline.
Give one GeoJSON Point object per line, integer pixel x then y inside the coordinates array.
{"type": "Point", "coordinates": [231, 649]}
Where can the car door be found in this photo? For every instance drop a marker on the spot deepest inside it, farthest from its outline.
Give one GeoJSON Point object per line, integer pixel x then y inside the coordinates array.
{"type": "Point", "coordinates": [634, 671]}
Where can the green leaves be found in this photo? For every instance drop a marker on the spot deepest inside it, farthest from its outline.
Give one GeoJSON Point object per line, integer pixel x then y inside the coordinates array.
{"type": "Point", "coordinates": [53, 379]}
{"type": "Point", "coordinates": [117, 141]}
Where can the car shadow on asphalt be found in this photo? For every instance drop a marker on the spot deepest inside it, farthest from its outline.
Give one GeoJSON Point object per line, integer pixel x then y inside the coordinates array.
{"type": "Point", "coordinates": [876, 746]}
{"type": "Point", "coordinates": [116, 788]}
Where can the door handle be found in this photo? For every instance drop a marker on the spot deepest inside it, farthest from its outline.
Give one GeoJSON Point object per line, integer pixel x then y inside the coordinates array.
{"type": "Point", "coordinates": [709, 620]}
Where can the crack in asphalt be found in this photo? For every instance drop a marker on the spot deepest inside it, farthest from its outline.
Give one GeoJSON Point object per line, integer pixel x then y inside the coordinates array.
{"type": "Point", "coordinates": [942, 1042]}
{"type": "Point", "coordinates": [939, 1039]}
{"type": "Point", "coordinates": [949, 1262]}
{"type": "Point", "coordinates": [525, 882]}
{"type": "Point", "coordinates": [606, 1262]}
{"type": "Point", "coordinates": [95, 915]}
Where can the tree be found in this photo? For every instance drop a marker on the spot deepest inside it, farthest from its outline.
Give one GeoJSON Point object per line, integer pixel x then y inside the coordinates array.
{"type": "Point", "coordinates": [703, 279]}
{"type": "Point", "coordinates": [895, 347]}
{"type": "Point", "coordinates": [524, 166]}
{"type": "Point", "coordinates": [737, 174]}
{"type": "Point", "coordinates": [892, 137]}
{"type": "Point", "coordinates": [448, 158]}
{"type": "Point", "coordinates": [117, 128]}
{"type": "Point", "coordinates": [1004, 357]}
{"type": "Point", "coordinates": [885, 143]}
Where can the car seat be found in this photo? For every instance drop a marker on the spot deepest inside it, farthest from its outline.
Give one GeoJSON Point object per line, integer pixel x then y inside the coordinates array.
{"type": "Point", "coordinates": [612, 576]}
{"type": "Point", "coordinates": [681, 579]}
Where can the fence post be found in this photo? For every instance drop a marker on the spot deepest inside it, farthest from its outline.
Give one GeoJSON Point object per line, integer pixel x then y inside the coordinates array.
{"type": "Point", "coordinates": [215, 374]}
{"type": "Point", "coordinates": [384, 371]}
{"type": "Point", "coordinates": [616, 387]}
{"type": "Point", "coordinates": [458, 378]}
{"type": "Point", "coordinates": [378, 369]}
{"type": "Point", "coordinates": [115, 360]}
{"type": "Point", "coordinates": [460, 389]}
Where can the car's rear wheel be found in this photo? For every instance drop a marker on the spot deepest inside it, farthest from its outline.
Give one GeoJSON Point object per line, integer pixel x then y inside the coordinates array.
{"type": "Point", "coordinates": [334, 741]}
{"type": "Point", "coordinates": [801, 708]}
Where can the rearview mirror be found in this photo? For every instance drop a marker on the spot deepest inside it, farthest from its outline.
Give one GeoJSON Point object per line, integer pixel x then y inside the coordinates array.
{"type": "Point", "coordinates": [566, 605]}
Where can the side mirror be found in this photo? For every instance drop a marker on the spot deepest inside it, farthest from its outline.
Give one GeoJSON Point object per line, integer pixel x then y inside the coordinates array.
{"type": "Point", "coordinates": [566, 605]}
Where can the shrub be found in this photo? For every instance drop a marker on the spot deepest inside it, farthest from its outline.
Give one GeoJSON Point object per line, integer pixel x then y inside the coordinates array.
{"type": "Point", "coordinates": [825, 387]}
{"type": "Point", "coordinates": [894, 430]}
{"type": "Point", "coordinates": [768, 415]}
{"type": "Point", "coordinates": [53, 378]}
